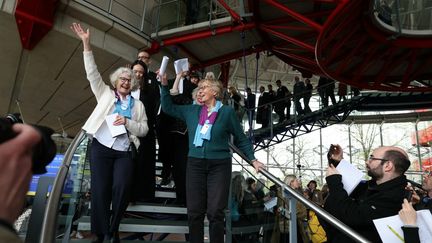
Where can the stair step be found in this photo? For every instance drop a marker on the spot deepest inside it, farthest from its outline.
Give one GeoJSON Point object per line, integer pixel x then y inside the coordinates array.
{"type": "Point", "coordinates": [143, 225]}
{"type": "Point", "coordinates": [165, 194]}
{"type": "Point", "coordinates": [156, 208]}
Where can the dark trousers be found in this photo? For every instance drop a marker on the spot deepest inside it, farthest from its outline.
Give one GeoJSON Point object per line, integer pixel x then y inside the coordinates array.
{"type": "Point", "coordinates": [306, 100]}
{"type": "Point", "coordinates": [207, 186]}
{"type": "Point", "coordinates": [179, 149]}
{"type": "Point", "coordinates": [144, 173]}
{"type": "Point", "coordinates": [164, 151]}
{"type": "Point", "coordinates": [298, 106]}
{"type": "Point", "coordinates": [111, 174]}
{"type": "Point", "coordinates": [280, 111]}
{"type": "Point", "coordinates": [173, 150]}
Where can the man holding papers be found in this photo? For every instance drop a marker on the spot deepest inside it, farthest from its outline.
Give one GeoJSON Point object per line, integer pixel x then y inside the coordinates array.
{"type": "Point", "coordinates": [379, 197]}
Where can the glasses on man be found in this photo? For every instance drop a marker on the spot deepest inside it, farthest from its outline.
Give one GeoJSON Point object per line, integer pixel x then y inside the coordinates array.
{"type": "Point", "coordinates": [371, 157]}
{"type": "Point", "coordinates": [124, 80]}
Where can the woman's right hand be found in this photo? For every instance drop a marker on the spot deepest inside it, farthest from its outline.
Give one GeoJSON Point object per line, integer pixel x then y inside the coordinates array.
{"type": "Point", "coordinates": [163, 79]}
{"type": "Point", "coordinates": [83, 35]}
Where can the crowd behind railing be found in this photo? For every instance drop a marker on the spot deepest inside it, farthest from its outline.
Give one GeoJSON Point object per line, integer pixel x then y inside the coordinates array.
{"type": "Point", "coordinates": [281, 105]}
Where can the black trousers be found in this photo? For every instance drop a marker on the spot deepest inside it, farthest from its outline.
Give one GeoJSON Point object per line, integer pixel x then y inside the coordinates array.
{"type": "Point", "coordinates": [207, 192]}
{"type": "Point", "coordinates": [111, 176]}
{"type": "Point", "coordinates": [144, 174]}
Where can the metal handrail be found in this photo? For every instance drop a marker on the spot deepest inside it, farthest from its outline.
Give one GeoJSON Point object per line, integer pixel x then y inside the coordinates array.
{"type": "Point", "coordinates": [318, 210]}
{"type": "Point", "coordinates": [51, 210]}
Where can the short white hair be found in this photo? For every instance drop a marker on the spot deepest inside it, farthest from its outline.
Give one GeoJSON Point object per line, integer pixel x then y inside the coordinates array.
{"type": "Point", "coordinates": [114, 76]}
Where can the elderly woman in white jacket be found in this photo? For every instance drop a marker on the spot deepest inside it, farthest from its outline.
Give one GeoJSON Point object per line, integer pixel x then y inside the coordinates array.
{"type": "Point", "coordinates": [110, 162]}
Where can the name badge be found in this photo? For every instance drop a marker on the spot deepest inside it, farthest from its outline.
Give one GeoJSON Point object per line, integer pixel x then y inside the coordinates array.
{"type": "Point", "coordinates": [204, 129]}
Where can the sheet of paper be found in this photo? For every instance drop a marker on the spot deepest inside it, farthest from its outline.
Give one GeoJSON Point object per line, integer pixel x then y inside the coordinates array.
{"type": "Point", "coordinates": [115, 130]}
{"type": "Point", "coordinates": [270, 204]}
{"type": "Point", "coordinates": [181, 65]}
{"type": "Point", "coordinates": [163, 66]}
{"type": "Point", "coordinates": [389, 228]}
{"type": "Point", "coordinates": [351, 176]}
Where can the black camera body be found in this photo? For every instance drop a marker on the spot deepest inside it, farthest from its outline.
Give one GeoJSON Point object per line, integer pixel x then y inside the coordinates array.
{"type": "Point", "coordinates": [43, 152]}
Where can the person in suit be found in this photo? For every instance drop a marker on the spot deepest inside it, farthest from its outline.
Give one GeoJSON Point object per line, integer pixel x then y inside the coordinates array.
{"type": "Point", "coordinates": [250, 106]}
{"type": "Point", "coordinates": [148, 92]}
{"type": "Point", "coordinates": [263, 111]}
{"type": "Point", "coordinates": [282, 94]}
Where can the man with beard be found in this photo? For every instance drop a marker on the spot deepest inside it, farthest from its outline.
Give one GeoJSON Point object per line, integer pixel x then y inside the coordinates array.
{"type": "Point", "coordinates": [382, 196]}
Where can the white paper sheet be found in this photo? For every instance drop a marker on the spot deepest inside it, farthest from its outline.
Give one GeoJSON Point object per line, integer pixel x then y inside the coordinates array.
{"type": "Point", "coordinates": [115, 130]}
{"type": "Point", "coordinates": [389, 228]}
{"type": "Point", "coordinates": [181, 65]}
{"type": "Point", "coordinates": [351, 176]}
{"type": "Point", "coordinates": [163, 66]}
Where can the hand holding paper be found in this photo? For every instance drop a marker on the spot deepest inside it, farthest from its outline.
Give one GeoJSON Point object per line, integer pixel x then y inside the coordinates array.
{"type": "Point", "coordinates": [163, 66]}
{"type": "Point", "coordinates": [181, 65]}
{"type": "Point", "coordinates": [114, 129]}
{"type": "Point", "coordinates": [351, 176]}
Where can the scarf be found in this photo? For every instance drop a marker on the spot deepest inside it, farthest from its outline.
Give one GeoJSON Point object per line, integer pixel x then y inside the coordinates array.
{"type": "Point", "coordinates": [124, 107]}
{"type": "Point", "coordinates": [205, 124]}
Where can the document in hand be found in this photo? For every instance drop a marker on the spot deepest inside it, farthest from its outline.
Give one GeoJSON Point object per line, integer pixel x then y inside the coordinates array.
{"type": "Point", "coordinates": [351, 176]}
{"type": "Point", "coordinates": [115, 130]}
{"type": "Point", "coordinates": [389, 228]}
{"type": "Point", "coordinates": [181, 65]}
{"type": "Point", "coordinates": [163, 66]}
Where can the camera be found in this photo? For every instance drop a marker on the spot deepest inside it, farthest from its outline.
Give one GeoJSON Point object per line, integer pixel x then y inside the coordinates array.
{"type": "Point", "coordinates": [43, 152]}
{"type": "Point", "coordinates": [332, 149]}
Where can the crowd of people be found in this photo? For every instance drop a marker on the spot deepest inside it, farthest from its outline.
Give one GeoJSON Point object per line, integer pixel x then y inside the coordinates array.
{"type": "Point", "coordinates": [193, 128]}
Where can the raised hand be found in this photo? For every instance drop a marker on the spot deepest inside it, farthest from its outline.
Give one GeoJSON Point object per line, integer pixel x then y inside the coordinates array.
{"type": "Point", "coordinates": [83, 35]}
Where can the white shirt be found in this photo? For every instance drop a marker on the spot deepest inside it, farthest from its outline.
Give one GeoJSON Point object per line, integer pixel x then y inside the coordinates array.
{"type": "Point", "coordinates": [119, 143]}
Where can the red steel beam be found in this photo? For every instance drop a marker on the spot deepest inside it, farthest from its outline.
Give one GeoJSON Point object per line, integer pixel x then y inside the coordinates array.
{"type": "Point", "coordinates": [233, 14]}
{"type": "Point", "coordinates": [297, 57]}
{"type": "Point", "coordinates": [206, 34]}
{"type": "Point", "coordinates": [405, 80]}
{"type": "Point", "coordinates": [292, 40]}
{"type": "Point", "coordinates": [338, 47]}
{"type": "Point", "coordinates": [231, 56]}
{"type": "Point", "coordinates": [383, 37]}
{"type": "Point", "coordinates": [296, 15]}
{"type": "Point", "coordinates": [289, 19]}
{"type": "Point", "coordinates": [287, 27]}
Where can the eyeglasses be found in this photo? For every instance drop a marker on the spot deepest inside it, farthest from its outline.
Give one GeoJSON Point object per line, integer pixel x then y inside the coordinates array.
{"type": "Point", "coordinates": [203, 87]}
{"type": "Point", "coordinates": [371, 157]}
{"type": "Point", "coordinates": [143, 57]}
{"type": "Point", "coordinates": [124, 80]}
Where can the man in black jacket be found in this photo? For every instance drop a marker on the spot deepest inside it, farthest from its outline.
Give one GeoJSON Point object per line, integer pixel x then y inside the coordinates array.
{"type": "Point", "coordinates": [382, 196]}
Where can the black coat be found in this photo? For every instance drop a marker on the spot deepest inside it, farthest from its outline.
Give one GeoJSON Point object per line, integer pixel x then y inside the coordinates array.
{"type": "Point", "coordinates": [367, 202]}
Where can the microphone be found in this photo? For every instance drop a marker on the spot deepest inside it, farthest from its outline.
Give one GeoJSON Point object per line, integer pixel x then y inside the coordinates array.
{"type": "Point", "coordinates": [415, 184]}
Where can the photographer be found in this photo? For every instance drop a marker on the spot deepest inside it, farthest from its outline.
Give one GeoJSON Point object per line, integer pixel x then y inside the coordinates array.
{"type": "Point", "coordinates": [15, 175]}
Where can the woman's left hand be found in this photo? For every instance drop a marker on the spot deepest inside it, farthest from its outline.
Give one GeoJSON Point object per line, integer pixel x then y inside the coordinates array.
{"type": "Point", "coordinates": [258, 165]}
{"type": "Point", "coordinates": [120, 120]}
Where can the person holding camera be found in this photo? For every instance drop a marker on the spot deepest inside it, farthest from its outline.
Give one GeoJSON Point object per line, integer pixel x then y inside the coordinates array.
{"type": "Point", "coordinates": [15, 176]}
{"type": "Point", "coordinates": [111, 164]}
{"type": "Point", "coordinates": [208, 172]}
